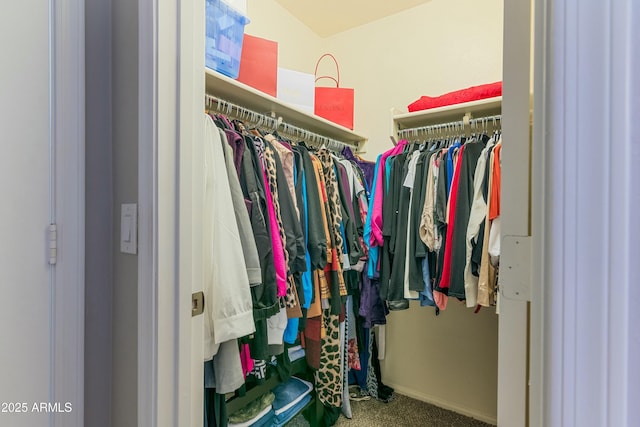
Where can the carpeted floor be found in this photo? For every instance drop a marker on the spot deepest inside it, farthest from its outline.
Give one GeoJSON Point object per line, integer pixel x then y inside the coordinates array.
{"type": "Point", "coordinates": [401, 411]}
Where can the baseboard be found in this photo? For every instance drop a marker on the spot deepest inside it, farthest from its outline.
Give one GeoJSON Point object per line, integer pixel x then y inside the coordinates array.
{"type": "Point", "coordinates": [444, 404]}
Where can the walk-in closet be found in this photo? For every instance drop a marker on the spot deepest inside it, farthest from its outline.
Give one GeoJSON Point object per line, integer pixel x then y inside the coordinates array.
{"type": "Point", "coordinates": [395, 333]}
{"type": "Point", "coordinates": [341, 212]}
{"type": "Point", "coordinates": [409, 255]}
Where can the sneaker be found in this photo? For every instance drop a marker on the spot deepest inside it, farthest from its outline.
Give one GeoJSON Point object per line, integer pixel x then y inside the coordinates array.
{"type": "Point", "coordinates": [356, 394]}
{"type": "Point", "coordinates": [357, 397]}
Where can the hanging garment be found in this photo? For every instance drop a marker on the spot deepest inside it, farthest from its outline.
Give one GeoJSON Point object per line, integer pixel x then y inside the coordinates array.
{"type": "Point", "coordinates": [367, 168]}
{"type": "Point", "coordinates": [328, 378]}
{"type": "Point", "coordinates": [494, 210]}
{"type": "Point", "coordinates": [453, 200]}
{"type": "Point", "coordinates": [374, 250]}
{"type": "Point", "coordinates": [264, 296]}
{"type": "Point", "coordinates": [440, 218]}
{"type": "Point", "coordinates": [334, 268]}
{"type": "Point", "coordinates": [247, 239]}
{"type": "Point", "coordinates": [376, 215]}
{"type": "Point", "coordinates": [286, 159]}
{"type": "Point", "coordinates": [412, 282]}
{"type": "Point", "coordinates": [229, 311]}
{"type": "Point", "coordinates": [476, 217]}
{"type": "Point", "coordinates": [316, 237]}
{"type": "Point", "coordinates": [360, 206]}
{"type": "Point", "coordinates": [494, 242]}
{"type": "Point", "coordinates": [468, 163]}
{"type": "Point", "coordinates": [349, 219]}
{"type": "Point", "coordinates": [416, 249]}
{"type": "Point", "coordinates": [277, 233]}
{"type": "Point", "coordinates": [290, 212]}
{"type": "Point", "coordinates": [294, 243]}
{"type": "Point", "coordinates": [271, 172]}
{"type": "Point", "coordinates": [300, 182]}
{"type": "Point", "coordinates": [302, 232]}
{"type": "Point", "coordinates": [236, 142]}
{"type": "Point", "coordinates": [396, 209]}
{"type": "Point", "coordinates": [227, 366]}
{"type": "Point", "coordinates": [487, 277]}
{"type": "Point", "coordinates": [427, 224]}
{"type": "Point", "coordinates": [325, 292]}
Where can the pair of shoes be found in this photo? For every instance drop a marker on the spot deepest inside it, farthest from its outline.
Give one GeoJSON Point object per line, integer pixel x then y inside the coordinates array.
{"type": "Point", "coordinates": [356, 394]}
{"type": "Point", "coordinates": [359, 397]}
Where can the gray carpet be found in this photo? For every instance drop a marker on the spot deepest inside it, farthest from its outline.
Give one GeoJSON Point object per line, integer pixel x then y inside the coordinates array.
{"type": "Point", "coordinates": [401, 411]}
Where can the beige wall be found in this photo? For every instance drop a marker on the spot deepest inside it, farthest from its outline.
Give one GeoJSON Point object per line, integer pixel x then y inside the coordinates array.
{"type": "Point", "coordinates": [450, 360]}
{"type": "Point", "coordinates": [440, 46]}
{"type": "Point", "coordinates": [298, 46]}
{"type": "Point", "coordinates": [431, 49]}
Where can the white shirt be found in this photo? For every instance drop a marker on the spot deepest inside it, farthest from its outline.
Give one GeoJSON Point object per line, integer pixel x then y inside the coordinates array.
{"type": "Point", "coordinates": [228, 306]}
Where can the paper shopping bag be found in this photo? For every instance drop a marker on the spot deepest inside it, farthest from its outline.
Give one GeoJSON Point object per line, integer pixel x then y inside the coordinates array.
{"type": "Point", "coordinates": [334, 103]}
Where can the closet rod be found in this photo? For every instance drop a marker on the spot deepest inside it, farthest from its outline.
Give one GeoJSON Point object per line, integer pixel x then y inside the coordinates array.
{"type": "Point", "coordinates": [274, 124]}
{"type": "Point", "coordinates": [485, 120]}
{"type": "Point", "coordinates": [457, 125]}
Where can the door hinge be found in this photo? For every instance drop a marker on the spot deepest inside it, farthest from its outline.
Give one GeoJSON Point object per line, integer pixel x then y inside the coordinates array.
{"type": "Point", "coordinates": [197, 303]}
{"type": "Point", "coordinates": [515, 268]}
{"type": "Point", "coordinates": [53, 244]}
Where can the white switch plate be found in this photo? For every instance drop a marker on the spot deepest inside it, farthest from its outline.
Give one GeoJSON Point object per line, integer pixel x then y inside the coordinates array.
{"type": "Point", "coordinates": [129, 228]}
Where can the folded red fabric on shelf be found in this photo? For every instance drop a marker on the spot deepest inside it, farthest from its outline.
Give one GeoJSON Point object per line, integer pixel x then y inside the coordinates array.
{"type": "Point", "coordinates": [472, 93]}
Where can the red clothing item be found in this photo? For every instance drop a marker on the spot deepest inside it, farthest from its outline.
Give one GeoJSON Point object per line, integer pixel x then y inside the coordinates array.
{"type": "Point", "coordinates": [494, 204]}
{"type": "Point", "coordinates": [313, 340]}
{"type": "Point", "coordinates": [473, 93]}
{"type": "Point", "coordinates": [453, 201]}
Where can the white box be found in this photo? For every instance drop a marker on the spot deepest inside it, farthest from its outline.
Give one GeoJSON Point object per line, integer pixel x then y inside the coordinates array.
{"type": "Point", "coordinates": [297, 89]}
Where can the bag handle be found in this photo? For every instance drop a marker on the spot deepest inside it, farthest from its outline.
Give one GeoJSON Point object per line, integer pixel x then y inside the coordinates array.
{"type": "Point", "coordinates": [328, 77]}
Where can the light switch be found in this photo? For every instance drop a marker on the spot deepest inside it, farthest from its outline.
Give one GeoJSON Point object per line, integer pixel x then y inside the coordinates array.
{"type": "Point", "coordinates": [125, 233]}
{"type": "Point", "coordinates": [129, 228]}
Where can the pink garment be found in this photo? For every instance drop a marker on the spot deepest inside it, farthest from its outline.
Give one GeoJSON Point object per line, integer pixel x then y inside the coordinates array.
{"type": "Point", "coordinates": [276, 243]}
{"type": "Point", "coordinates": [376, 214]}
{"type": "Point", "coordinates": [246, 360]}
{"type": "Point", "coordinates": [440, 299]}
{"type": "Point", "coordinates": [453, 201]}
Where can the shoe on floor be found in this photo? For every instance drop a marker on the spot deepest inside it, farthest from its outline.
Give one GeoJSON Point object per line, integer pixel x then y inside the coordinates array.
{"type": "Point", "coordinates": [356, 394]}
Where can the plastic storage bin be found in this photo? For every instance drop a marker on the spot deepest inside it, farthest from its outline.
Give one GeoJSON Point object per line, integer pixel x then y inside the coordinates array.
{"type": "Point", "coordinates": [225, 32]}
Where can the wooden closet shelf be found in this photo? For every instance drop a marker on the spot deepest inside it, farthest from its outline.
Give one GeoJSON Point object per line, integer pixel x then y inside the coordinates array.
{"type": "Point", "coordinates": [254, 390]}
{"type": "Point", "coordinates": [480, 108]}
{"type": "Point", "coordinates": [231, 90]}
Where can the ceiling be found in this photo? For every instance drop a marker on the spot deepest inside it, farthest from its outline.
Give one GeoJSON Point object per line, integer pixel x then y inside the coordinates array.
{"type": "Point", "coordinates": [329, 17]}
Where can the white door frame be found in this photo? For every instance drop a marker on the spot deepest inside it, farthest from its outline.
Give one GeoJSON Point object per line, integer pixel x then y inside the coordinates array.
{"type": "Point", "coordinates": [171, 90]}
{"type": "Point", "coordinates": [515, 230]}
{"type": "Point", "coordinates": [582, 347]}
{"type": "Point", "coordinates": [68, 206]}
{"type": "Point", "coordinates": [585, 337]}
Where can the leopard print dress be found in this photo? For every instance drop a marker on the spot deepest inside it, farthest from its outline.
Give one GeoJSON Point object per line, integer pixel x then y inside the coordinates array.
{"type": "Point", "coordinates": [335, 215]}
{"type": "Point", "coordinates": [328, 377]}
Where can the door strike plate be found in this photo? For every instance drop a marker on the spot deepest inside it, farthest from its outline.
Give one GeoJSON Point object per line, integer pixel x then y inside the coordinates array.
{"type": "Point", "coordinates": [197, 303]}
